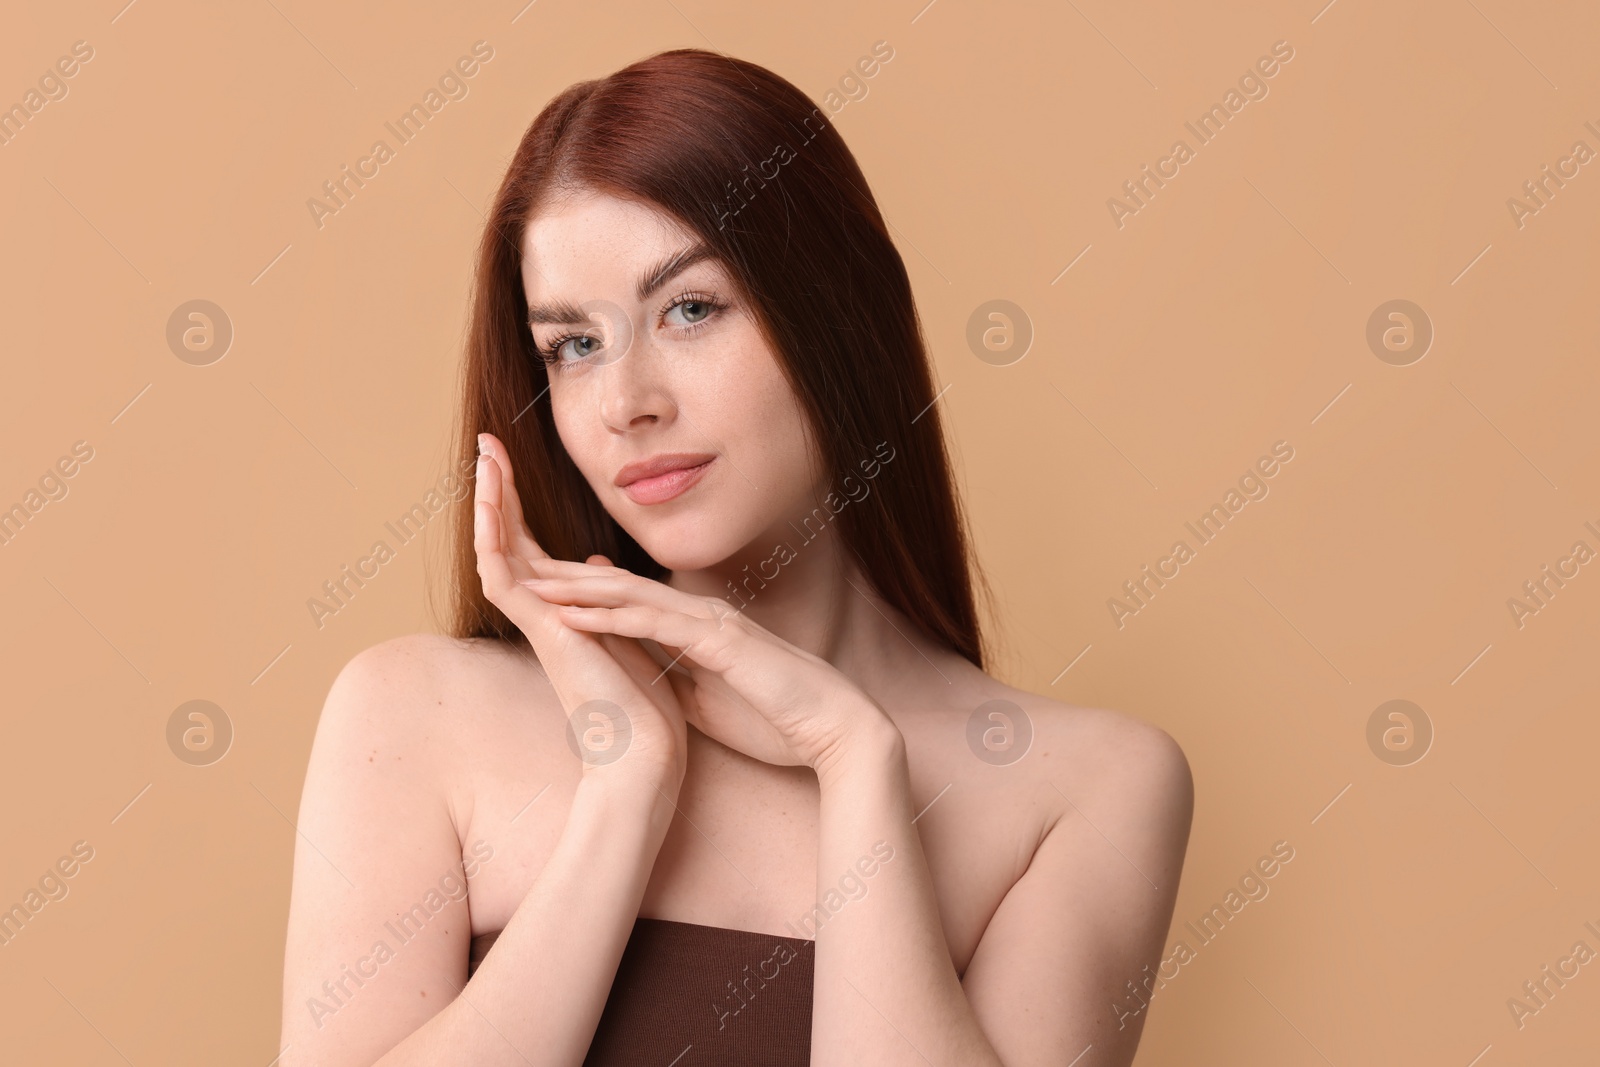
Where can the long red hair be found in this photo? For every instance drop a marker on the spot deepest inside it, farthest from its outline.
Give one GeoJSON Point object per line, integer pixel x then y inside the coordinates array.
{"type": "Point", "coordinates": [749, 164]}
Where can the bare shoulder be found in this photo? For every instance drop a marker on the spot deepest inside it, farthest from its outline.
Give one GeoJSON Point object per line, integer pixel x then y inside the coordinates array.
{"type": "Point", "coordinates": [1020, 747]}
{"type": "Point", "coordinates": [1117, 778]}
{"type": "Point", "coordinates": [1005, 726]}
{"type": "Point", "coordinates": [1010, 784]}
{"type": "Point", "coordinates": [1099, 776]}
{"type": "Point", "coordinates": [408, 665]}
{"type": "Point", "coordinates": [387, 814]}
{"type": "Point", "coordinates": [419, 709]}
{"type": "Point", "coordinates": [419, 680]}
{"type": "Point", "coordinates": [1100, 744]}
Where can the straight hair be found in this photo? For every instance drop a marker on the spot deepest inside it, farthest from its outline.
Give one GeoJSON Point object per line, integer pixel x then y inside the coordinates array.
{"type": "Point", "coordinates": [745, 161]}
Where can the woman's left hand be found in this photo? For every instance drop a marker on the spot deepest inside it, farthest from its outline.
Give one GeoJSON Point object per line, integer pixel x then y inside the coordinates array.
{"type": "Point", "coordinates": [753, 691]}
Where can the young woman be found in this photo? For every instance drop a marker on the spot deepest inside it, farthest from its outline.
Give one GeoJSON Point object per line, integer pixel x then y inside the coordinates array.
{"type": "Point", "coordinates": [709, 770]}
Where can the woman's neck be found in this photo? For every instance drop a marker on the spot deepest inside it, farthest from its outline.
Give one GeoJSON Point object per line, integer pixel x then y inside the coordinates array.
{"type": "Point", "coordinates": [813, 595]}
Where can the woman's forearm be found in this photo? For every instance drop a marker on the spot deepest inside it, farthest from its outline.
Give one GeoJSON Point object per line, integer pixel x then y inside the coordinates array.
{"type": "Point", "coordinates": [886, 990]}
{"type": "Point", "coordinates": [536, 998]}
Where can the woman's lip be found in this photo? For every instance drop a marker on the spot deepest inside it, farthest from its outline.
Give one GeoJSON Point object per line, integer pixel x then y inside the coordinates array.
{"type": "Point", "coordinates": [664, 487]}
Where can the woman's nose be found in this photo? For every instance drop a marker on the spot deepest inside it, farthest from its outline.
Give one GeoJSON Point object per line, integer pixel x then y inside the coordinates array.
{"type": "Point", "coordinates": [631, 391]}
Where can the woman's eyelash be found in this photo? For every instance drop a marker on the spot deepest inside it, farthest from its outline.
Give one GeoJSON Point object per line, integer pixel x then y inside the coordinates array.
{"type": "Point", "coordinates": [549, 354]}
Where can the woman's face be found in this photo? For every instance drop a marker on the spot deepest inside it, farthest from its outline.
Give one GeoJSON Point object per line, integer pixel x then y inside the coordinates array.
{"type": "Point", "coordinates": [665, 392]}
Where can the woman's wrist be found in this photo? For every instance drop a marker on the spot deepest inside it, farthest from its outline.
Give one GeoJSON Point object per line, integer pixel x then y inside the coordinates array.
{"type": "Point", "coordinates": [609, 799]}
{"type": "Point", "coordinates": [873, 747]}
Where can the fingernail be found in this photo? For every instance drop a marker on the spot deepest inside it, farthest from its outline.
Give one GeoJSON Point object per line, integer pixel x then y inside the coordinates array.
{"type": "Point", "coordinates": [482, 448]}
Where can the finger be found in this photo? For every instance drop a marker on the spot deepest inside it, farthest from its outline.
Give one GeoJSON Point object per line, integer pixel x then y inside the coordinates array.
{"type": "Point", "coordinates": [551, 571]}
{"type": "Point", "coordinates": [517, 535]}
{"type": "Point", "coordinates": [549, 566]}
{"type": "Point", "coordinates": [492, 485]}
{"type": "Point", "coordinates": [704, 639]}
{"type": "Point", "coordinates": [486, 490]}
{"type": "Point", "coordinates": [495, 567]}
{"type": "Point", "coordinates": [612, 591]}
{"type": "Point", "coordinates": [590, 667]}
{"type": "Point", "coordinates": [490, 491]}
{"type": "Point", "coordinates": [583, 671]}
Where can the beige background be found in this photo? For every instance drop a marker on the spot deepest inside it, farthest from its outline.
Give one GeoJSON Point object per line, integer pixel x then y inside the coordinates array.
{"type": "Point", "coordinates": [1228, 314]}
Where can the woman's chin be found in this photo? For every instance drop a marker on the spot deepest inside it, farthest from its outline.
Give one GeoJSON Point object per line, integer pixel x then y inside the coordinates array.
{"type": "Point", "coordinates": [697, 539]}
{"type": "Point", "coordinates": [678, 550]}
{"type": "Point", "coordinates": [677, 557]}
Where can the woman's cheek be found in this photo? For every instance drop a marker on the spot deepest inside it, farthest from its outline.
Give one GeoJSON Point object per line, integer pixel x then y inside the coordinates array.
{"type": "Point", "coordinates": [582, 446]}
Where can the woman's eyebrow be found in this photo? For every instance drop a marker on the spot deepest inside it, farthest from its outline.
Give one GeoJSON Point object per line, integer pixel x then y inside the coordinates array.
{"type": "Point", "coordinates": [671, 267]}
{"type": "Point", "coordinates": [561, 312]}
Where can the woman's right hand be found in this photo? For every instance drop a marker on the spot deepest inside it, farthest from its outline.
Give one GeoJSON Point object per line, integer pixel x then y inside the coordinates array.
{"type": "Point", "coordinates": [630, 727]}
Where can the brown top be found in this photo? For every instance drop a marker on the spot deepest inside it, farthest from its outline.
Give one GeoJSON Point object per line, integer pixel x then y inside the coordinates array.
{"type": "Point", "coordinates": [687, 995]}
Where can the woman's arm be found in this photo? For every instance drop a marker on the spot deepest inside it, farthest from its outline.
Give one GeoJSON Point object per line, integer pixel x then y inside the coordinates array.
{"type": "Point", "coordinates": [538, 995]}
{"type": "Point", "coordinates": [885, 990]}
{"type": "Point", "coordinates": [376, 820]}
{"type": "Point", "coordinates": [371, 974]}
{"type": "Point", "coordinates": [1040, 988]}
{"type": "Point", "coordinates": [1089, 912]}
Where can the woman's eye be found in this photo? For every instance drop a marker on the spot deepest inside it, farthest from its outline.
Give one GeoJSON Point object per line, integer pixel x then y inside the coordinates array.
{"type": "Point", "coordinates": [694, 311]}
{"type": "Point", "coordinates": [574, 348]}
{"type": "Point", "coordinates": [580, 347]}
